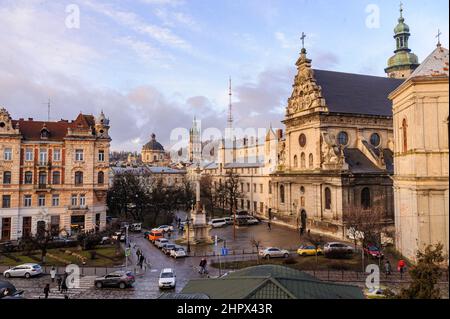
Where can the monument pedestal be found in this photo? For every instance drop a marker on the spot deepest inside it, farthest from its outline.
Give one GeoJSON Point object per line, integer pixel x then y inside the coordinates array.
{"type": "Point", "coordinates": [198, 230]}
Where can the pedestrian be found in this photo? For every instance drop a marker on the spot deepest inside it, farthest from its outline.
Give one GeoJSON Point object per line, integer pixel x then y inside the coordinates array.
{"type": "Point", "coordinates": [401, 267]}
{"type": "Point", "coordinates": [387, 268]}
{"type": "Point", "coordinates": [138, 253]}
{"type": "Point", "coordinates": [64, 287]}
{"type": "Point", "coordinates": [302, 231]}
{"type": "Point", "coordinates": [169, 234]}
{"type": "Point", "coordinates": [309, 232]}
{"type": "Point", "coordinates": [46, 290]}
{"type": "Point", "coordinates": [141, 261]}
{"type": "Point", "coordinates": [59, 283]}
{"type": "Point", "coordinates": [203, 264]}
{"type": "Point", "coordinates": [53, 274]}
{"type": "Point", "coordinates": [269, 225]}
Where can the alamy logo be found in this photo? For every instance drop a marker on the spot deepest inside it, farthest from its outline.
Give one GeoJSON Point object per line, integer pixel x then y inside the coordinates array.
{"type": "Point", "coordinates": [73, 279]}
{"type": "Point", "coordinates": [373, 18]}
{"type": "Point", "coordinates": [373, 279]}
{"type": "Point", "coordinates": [73, 17]}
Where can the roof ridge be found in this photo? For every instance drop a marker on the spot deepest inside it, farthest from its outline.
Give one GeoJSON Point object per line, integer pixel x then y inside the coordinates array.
{"type": "Point", "coordinates": [358, 74]}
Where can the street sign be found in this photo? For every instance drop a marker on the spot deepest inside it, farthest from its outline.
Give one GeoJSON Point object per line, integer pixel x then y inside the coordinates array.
{"type": "Point", "coordinates": [224, 251]}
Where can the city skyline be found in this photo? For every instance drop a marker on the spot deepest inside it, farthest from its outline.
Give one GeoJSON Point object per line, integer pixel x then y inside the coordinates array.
{"type": "Point", "coordinates": [165, 61]}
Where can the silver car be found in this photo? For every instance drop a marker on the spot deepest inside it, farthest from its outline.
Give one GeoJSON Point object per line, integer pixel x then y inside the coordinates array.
{"type": "Point", "coordinates": [25, 270]}
{"type": "Point", "coordinates": [336, 247]}
{"type": "Point", "coordinates": [273, 252]}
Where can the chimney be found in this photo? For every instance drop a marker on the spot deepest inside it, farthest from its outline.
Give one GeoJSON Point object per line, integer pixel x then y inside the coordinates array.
{"type": "Point", "coordinates": [30, 119]}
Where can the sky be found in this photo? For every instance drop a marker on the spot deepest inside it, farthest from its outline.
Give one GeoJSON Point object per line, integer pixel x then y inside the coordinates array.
{"type": "Point", "coordinates": [152, 65]}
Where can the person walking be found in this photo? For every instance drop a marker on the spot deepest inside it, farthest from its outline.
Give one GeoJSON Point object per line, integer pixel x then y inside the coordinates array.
{"type": "Point", "coordinates": [387, 268]}
{"type": "Point", "coordinates": [46, 290]}
{"type": "Point", "coordinates": [53, 274]}
{"type": "Point", "coordinates": [141, 261]}
{"type": "Point", "coordinates": [59, 283]}
{"type": "Point", "coordinates": [401, 267]}
{"type": "Point", "coordinates": [269, 225]}
{"type": "Point", "coordinates": [203, 264]}
{"type": "Point", "coordinates": [64, 287]}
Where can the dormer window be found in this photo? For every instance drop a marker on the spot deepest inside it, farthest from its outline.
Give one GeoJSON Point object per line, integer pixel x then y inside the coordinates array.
{"type": "Point", "coordinates": [45, 133]}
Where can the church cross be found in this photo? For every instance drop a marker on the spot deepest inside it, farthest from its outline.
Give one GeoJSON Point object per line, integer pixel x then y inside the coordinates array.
{"type": "Point", "coordinates": [303, 39]}
{"type": "Point", "coordinates": [439, 36]}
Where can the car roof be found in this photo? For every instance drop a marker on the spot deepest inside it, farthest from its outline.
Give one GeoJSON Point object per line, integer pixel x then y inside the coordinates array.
{"type": "Point", "coordinates": [166, 270]}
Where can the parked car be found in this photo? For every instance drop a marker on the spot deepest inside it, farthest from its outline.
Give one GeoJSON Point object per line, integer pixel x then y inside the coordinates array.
{"type": "Point", "coordinates": [161, 242]}
{"type": "Point", "coordinates": [306, 250]}
{"type": "Point", "coordinates": [137, 227]}
{"type": "Point", "coordinates": [335, 248]}
{"type": "Point", "coordinates": [117, 235]}
{"type": "Point", "coordinates": [165, 228]}
{"type": "Point", "coordinates": [218, 222]}
{"type": "Point", "coordinates": [374, 252]}
{"type": "Point", "coordinates": [167, 248]}
{"type": "Point", "coordinates": [229, 220]}
{"type": "Point", "coordinates": [167, 279]}
{"type": "Point", "coordinates": [252, 221]}
{"type": "Point", "coordinates": [25, 270]}
{"type": "Point", "coordinates": [118, 279]}
{"type": "Point", "coordinates": [154, 235]}
{"type": "Point", "coordinates": [9, 291]}
{"type": "Point", "coordinates": [106, 241]}
{"type": "Point", "coordinates": [273, 252]}
{"type": "Point", "coordinates": [178, 252]}
{"type": "Point", "coordinates": [146, 234]}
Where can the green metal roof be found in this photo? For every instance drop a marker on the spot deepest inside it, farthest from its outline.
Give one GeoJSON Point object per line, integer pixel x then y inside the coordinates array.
{"type": "Point", "coordinates": [271, 282]}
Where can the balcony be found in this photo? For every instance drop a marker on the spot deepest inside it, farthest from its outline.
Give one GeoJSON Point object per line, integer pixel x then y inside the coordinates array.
{"type": "Point", "coordinates": [79, 208]}
{"type": "Point", "coordinates": [43, 188]}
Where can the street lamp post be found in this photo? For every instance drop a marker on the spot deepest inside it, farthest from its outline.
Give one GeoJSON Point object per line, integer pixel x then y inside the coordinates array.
{"type": "Point", "coordinates": [188, 224]}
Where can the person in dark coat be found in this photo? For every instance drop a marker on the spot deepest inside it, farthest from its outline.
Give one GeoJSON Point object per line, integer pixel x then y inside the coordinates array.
{"type": "Point", "coordinates": [59, 283]}
{"type": "Point", "coordinates": [46, 290]}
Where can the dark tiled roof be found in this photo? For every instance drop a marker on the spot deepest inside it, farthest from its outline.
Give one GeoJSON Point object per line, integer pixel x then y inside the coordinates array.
{"type": "Point", "coordinates": [358, 162]}
{"type": "Point", "coordinates": [355, 93]}
{"type": "Point", "coordinates": [31, 130]}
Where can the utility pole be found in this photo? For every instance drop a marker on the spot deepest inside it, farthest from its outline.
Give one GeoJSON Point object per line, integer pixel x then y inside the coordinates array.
{"type": "Point", "coordinates": [48, 109]}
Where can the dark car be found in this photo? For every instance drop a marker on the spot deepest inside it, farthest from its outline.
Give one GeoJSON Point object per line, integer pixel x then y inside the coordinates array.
{"type": "Point", "coordinates": [167, 248]}
{"type": "Point", "coordinates": [118, 279]}
{"type": "Point", "coordinates": [8, 291]}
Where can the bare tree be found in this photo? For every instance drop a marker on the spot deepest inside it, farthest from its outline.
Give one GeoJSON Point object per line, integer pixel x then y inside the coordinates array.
{"type": "Point", "coordinates": [232, 187]}
{"type": "Point", "coordinates": [256, 243]}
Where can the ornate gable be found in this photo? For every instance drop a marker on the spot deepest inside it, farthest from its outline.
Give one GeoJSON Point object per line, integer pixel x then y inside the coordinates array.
{"type": "Point", "coordinates": [307, 95]}
{"type": "Point", "coordinates": [6, 124]}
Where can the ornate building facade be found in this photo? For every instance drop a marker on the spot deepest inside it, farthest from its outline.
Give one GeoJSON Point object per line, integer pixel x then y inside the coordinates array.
{"type": "Point", "coordinates": [421, 180]}
{"type": "Point", "coordinates": [53, 175]}
{"type": "Point", "coordinates": [153, 153]}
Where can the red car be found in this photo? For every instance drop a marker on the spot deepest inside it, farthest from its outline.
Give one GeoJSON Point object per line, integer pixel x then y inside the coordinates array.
{"type": "Point", "coordinates": [374, 252]}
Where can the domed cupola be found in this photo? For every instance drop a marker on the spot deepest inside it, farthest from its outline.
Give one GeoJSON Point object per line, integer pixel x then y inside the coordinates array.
{"type": "Point", "coordinates": [153, 145]}
{"type": "Point", "coordinates": [403, 63]}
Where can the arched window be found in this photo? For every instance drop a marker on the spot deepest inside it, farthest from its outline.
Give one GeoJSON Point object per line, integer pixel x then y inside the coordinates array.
{"type": "Point", "coordinates": [342, 138]}
{"type": "Point", "coordinates": [56, 178]}
{"type": "Point", "coordinates": [155, 158]}
{"type": "Point", "coordinates": [282, 194]}
{"type": "Point", "coordinates": [6, 178]}
{"type": "Point", "coordinates": [405, 135]}
{"type": "Point", "coordinates": [311, 161]}
{"type": "Point", "coordinates": [101, 178]}
{"type": "Point", "coordinates": [42, 179]}
{"type": "Point", "coordinates": [303, 160]}
{"type": "Point", "coordinates": [295, 161]}
{"type": "Point", "coordinates": [327, 198]}
{"type": "Point", "coordinates": [78, 178]}
{"type": "Point", "coordinates": [28, 178]}
{"type": "Point", "coordinates": [365, 198]}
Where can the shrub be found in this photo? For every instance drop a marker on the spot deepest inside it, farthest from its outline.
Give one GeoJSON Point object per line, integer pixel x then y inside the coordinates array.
{"type": "Point", "coordinates": [290, 261]}
{"type": "Point", "coordinates": [335, 254]}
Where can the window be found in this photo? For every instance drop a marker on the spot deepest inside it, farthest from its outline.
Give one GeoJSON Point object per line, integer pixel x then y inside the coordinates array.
{"type": "Point", "coordinates": [405, 135]}
{"type": "Point", "coordinates": [29, 154]}
{"type": "Point", "coordinates": [303, 160]}
{"type": "Point", "coordinates": [56, 155]}
{"type": "Point", "coordinates": [6, 201]}
{"type": "Point", "coordinates": [7, 154]}
{"type": "Point", "coordinates": [28, 179]}
{"type": "Point", "coordinates": [254, 188]}
{"type": "Point", "coordinates": [43, 157]}
{"type": "Point", "coordinates": [302, 140]}
{"type": "Point", "coordinates": [27, 201]}
{"type": "Point", "coordinates": [56, 178]}
{"type": "Point", "coordinates": [26, 227]}
{"type": "Point", "coordinates": [327, 198]}
{"type": "Point", "coordinates": [42, 179]}
{"type": "Point", "coordinates": [55, 200]}
{"type": "Point", "coordinates": [270, 187]}
{"type": "Point", "coordinates": [7, 178]}
{"type": "Point", "coordinates": [282, 199]}
{"type": "Point", "coordinates": [41, 200]}
{"type": "Point", "coordinates": [78, 178]}
{"type": "Point", "coordinates": [261, 188]}
{"type": "Point", "coordinates": [74, 200]}
{"type": "Point", "coordinates": [342, 138]}
{"type": "Point", "coordinates": [101, 178]}
{"type": "Point", "coordinates": [101, 156]}
{"type": "Point", "coordinates": [83, 200]}
{"type": "Point", "coordinates": [54, 222]}
{"type": "Point", "coordinates": [365, 198]}
{"type": "Point", "coordinates": [375, 140]}
{"type": "Point", "coordinates": [79, 155]}
{"type": "Point", "coordinates": [295, 161]}
{"type": "Point", "coordinates": [248, 187]}
{"type": "Point", "coordinates": [311, 161]}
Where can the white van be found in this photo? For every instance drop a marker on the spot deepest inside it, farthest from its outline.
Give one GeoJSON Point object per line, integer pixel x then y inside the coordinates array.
{"type": "Point", "coordinates": [218, 222]}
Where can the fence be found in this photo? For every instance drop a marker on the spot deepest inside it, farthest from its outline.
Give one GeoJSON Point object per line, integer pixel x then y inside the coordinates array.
{"type": "Point", "coordinates": [84, 271]}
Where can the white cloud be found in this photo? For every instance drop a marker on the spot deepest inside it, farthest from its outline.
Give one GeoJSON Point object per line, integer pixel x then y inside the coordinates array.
{"type": "Point", "coordinates": [164, 2]}
{"type": "Point", "coordinates": [134, 22]}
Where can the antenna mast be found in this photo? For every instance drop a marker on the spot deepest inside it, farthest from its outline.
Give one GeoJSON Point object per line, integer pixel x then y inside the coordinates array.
{"type": "Point", "coordinates": [230, 108]}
